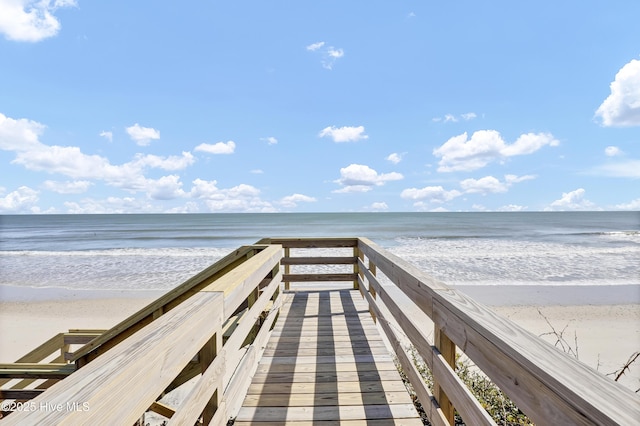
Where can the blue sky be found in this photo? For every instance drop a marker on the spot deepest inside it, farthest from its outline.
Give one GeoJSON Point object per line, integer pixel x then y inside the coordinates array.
{"type": "Point", "coordinates": [253, 106]}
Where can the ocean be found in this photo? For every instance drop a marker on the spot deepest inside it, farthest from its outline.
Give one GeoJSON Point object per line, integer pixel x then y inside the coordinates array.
{"type": "Point", "coordinates": [158, 252]}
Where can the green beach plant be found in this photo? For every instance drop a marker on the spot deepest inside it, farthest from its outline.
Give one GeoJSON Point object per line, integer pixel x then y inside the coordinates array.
{"type": "Point", "coordinates": [503, 411]}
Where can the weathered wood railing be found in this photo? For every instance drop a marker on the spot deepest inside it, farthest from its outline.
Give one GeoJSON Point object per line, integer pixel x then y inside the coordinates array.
{"type": "Point", "coordinates": [214, 325]}
{"type": "Point", "coordinates": [546, 384]}
{"type": "Point", "coordinates": [43, 366]}
{"type": "Point", "coordinates": [171, 341]}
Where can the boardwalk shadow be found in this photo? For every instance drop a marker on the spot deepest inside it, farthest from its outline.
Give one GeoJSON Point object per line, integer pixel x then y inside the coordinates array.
{"type": "Point", "coordinates": [326, 362]}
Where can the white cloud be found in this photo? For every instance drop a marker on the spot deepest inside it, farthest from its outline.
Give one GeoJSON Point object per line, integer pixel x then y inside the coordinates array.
{"type": "Point", "coordinates": [142, 135]}
{"type": "Point", "coordinates": [632, 205]}
{"type": "Point", "coordinates": [22, 200]}
{"type": "Point", "coordinates": [172, 162]}
{"type": "Point", "coordinates": [107, 135]}
{"type": "Point", "coordinates": [344, 134]}
{"type": "Point", "coordinates": [68, 161]}
{"type": "Point", "coordinates": [395, 158]}
{"type": "Point", "coordinates": [612, 151]}
{"type": "Point", "coordinates": [463, 154]}
{"type": "Point", "coordinates": [573, 200]}
{"type": "Point", "coordinates": [622, 106]}
{"type": "Point", "coordinates": [20, 134]}
{"type": "Point", "coordinates": [30, 20]}
{"type": "Point", "coordinates": [112, 205]}
{"type": "Point", "coordinates": [433, 194]}
{"type": "Point", "coordinates": [315, 46]}
{"type": "Point", "coordinates": [240, 198]}
{"type": "Point", "coordinates": [380, 206]}
{"type": "Point", "coordinates": [329, 54]}
{"type": "Point", "coordinates": [426, 207]}
{"type": "Point", "coordinates": [270, 140]}
{"type": "Point", "coordinates": [483, 185]}
{"type": "Point", "coordinates": [70, 187]}
{"type": "Point", "coordinates": [512, 208]}
{"type": "Point", "coordinates": [217, 148]}
{"type": "Point", "coordinates": [165, 188]}
{"type": "Point", "coordinates": [450, 118]}
{"type": "Point", "coordinates": [293, 200]}
{"type": "Point", "coordinates": [335, 53]}
{"type": "Point", "coordinates": [361, 178]}
{"type": "Point", "coordinates": [490, 184]}
{"type": "Point", "coordinates": [257, 171]}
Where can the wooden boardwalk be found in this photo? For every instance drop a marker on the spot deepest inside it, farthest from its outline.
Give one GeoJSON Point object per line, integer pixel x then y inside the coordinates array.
{"type": "Point", "coordinates": [326, 363]}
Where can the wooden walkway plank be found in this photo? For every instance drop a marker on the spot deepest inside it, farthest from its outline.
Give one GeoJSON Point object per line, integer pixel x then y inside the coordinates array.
{"type": "Point", "coordinates": [326, 363]}
{"type": "Point", "coordinates": [382, 422]}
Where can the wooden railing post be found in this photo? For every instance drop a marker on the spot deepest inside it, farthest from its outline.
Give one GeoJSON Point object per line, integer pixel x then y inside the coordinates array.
{"type": "Point", "coordinates": [287, 268]}
{"type": "Point", "coordinates": [358, 253]}
{"type": "Point", "coordinates": [448, 351]}
{"type": "Point", "coordinates": [207, 354]}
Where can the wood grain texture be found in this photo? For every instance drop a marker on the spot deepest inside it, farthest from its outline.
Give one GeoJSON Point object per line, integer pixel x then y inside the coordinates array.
{"type": "Point", "coordinates": [326, 361]}
{"type": "Point", "coordinates": [159, 351]}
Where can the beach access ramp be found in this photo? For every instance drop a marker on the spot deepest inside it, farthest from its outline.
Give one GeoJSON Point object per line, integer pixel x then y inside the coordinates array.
{"type": "Point", "coordinates": [305, 331]}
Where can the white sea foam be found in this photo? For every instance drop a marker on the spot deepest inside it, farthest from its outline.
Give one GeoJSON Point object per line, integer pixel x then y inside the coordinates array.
{"type": "Point", "coordinates": [140, 269]}
{"type": "Point", "coordinates": [496, 261]}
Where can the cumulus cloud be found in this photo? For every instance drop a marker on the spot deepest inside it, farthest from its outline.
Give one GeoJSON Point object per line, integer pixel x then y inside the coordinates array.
{"type": "Point", "coordinates": [573, 200]}
{"type": "Point", "coordinates": [69, 187]}
{"type": "Point", "coordinates": [107, 135]}
{"type": "Point", "coordinates": [631, 205]}
{"type": "Point", "coordinates": [432, 194]}
{"type": "Point", "coordinates": [315, 46]}
{"type": "Point", "coordinates": [622, 106]}
{"type": "Point", "coordinates": [20, 134]}
{"type": "Point", "coordinates": [240, 198]}
{"type": "Point", "coordinates": [291, 201]}
{"type": "Point", "coordinates": [461, 153]}
{"type": "Point", "coordinates": [483, 185]}
{"type": "Point", "coordinates": [395, 158]}
{"type": "Point", "coordinates": [217, 148]}
{"type": "Point", "coordinates": [329, 54]}
{"type": "Point", "coordinates": [450, 118]}
{"type": "Point", "coordinates": [270, 140]}
{"type": "Point", "coordinates": [173, 162]}
{"type": "Point", "coordinates": [490, 184]}
{"type": "Point", "coordinates": [344, 134]}
{"type": "Point", "coordinates": [165, 188]}
{"type": "Point", "coordinates": [22, 200]}
{"type": "Point", "coordinates": [379, 206]}
{"type": "Point", "coordinates": [142, 135]}
{"type": "Point", "coordinates": [512, 208]}
{"type": "Point", "coordinates": [30, 20]}
{"type": "Point", "coordinates": [612, 151]}
{"type": "Point", "coordinates": [361, 178]}
{"type": "Point", "coordinates": [111, 205]}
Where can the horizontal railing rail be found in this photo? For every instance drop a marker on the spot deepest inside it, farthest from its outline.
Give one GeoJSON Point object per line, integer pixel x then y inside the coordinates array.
{"type": "Point", "coordinates": [130, 377]}
{"type": "Point", "coordinates": [316, 243]}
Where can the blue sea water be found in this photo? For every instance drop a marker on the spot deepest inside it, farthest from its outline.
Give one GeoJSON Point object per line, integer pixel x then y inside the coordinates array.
{"type": "Point", "coordinates": [158, 252]}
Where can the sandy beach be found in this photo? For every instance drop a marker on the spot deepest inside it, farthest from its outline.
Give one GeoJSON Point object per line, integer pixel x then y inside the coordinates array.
{"type": "Point", "coordinates": [606, 334]}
